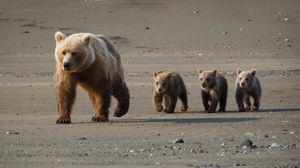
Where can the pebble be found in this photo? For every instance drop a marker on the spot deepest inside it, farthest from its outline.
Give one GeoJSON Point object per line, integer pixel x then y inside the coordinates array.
{"type": "Point", "coordinates": [249, 134]}
{"type": "Point", "coordinates": [147, 28]}
{"type": "Point", "coordinates": [195, 11]}
{"type": "Point", "coordinates": [11, 132]}
{"type": "Point", "coordinates": [247, 143]}
{"type": "Point", "coordinates": [176, 141]}
{"type": "Point", "coordinates": [275, 145]}
{"type": "Point", "coordinates": [290, 146]}
{"type": "Point", "coordinates": [292, 132]}
{"type": "Point", "coordinates": [225, 32]}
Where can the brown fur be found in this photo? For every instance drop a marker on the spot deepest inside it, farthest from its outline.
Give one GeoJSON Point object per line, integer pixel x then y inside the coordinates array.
{"type": "Point", "coordinates": [96, 67]}
{"type": "Point", "coordinates": [168, 87]}
{"type": "Point", "coordinates": [247, 86]}
{"type": "Point", "coordinates": [214, 89]}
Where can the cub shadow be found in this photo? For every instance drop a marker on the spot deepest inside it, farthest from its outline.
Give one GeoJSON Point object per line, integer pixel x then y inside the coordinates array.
{"type": "Point", "coordinates": [184, 120]}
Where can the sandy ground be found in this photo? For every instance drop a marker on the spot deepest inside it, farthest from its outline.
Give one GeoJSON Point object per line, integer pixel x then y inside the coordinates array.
{"type": "Point", "coordinates": [174, 35]}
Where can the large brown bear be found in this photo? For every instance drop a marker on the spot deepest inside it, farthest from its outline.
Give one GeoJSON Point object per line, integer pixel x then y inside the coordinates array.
{"type": "Point", "coordinates": [168, 86]}
{"type": "Point", "coordinates": [92, 62]}
{"type": "Point", "coordinates": [214, 89]}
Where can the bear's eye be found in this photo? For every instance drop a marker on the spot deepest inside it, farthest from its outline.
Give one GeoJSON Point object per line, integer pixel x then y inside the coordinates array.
{"type": "Point", "coordinates": [73, 53]}
{"type": "Point", "coordinates": [64, 53]}
{"type": "Point", "coordinates": [156, 83]}
{"type": "Point", "coordinates": [207, 79]}
{"type": "Point", "coordinates": [200, 78]}
{"type": "Point", "coordinates": [246, 79]}
{"type": "Point", "coordinates": [240, 78]}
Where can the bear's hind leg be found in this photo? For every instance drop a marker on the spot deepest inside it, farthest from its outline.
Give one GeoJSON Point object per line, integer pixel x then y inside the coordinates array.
{"type": "Point", "coordinates": [101, 102]}
{"type": "Point", "coordinates": [122, 95]}
{"type": "Point", "coordinates": [172, 105]}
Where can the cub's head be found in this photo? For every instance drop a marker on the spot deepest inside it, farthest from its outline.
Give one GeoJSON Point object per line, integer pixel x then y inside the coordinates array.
{"type": "Point", "coordinates": [245, 78]}
{"type": "Point", "coordinates": [207, 78]}
{"type": "Point", "coordinates": [162, 81]}
{"type": "Point", "coordinates": [73, 53]}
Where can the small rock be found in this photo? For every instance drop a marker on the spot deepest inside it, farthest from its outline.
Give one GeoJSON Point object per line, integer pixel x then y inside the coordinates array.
{"type": "Point", "coordinates": [147, 28]}
{"type": "Point", "coordinates": [275, 145]}
{"type": "Point", "coordinates": [11, 133]}
{"type": "Point", "coordinates": [292, 132]}
{"type": "Point", "coordinates": [290, 146]}
{"type": "Point", "coordinates": [286, 40]}
{"type": "Point", "coordinates": [225, 32]}
{"type": "Point", "coordinates": [142, 150]}
{"type": "Point", "coordinates": [195, 11]}
{"type": "Point", "coordinates": [236, 164]}
{"type": "Point", "coordinates": [178, 141]}
{"type": "Point", "coordinates": [249, 134]}
{"type": "Point", "coordinates": [248, 143]}
{"type": "Point", "coordinates": [82, 138]}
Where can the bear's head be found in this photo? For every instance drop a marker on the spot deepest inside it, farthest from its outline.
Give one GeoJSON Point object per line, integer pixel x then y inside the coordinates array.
{"type": "Point", "coordinates": [245, 78]}
{"type": "Point", "coordinates": [73, 53]}
{"type": "Point", "coordinates": [162, 81]}
{"type": "Point", "coordinates": [207, 78]}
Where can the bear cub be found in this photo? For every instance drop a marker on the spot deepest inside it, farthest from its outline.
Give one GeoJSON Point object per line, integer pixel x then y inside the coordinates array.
{"type": "Point", "coordinates": [168, 87]}
{"type": "Point", "coordinates": [247, 85]}
{"type": "Point", "coordinates": [214, 89]}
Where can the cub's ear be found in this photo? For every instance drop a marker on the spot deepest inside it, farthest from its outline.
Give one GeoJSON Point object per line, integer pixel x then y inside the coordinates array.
{"type": "Point", "coordinates": [59, 36]}
{"type": "Point", "coordinates": [200, 71]}
{"type": "Point", "coordinates": [238, 71]}
{"type": "Point", "coordinates": [155, 74]}
{"type": "Point", "coordinates": [169, 75]}
{"type": "Point", "coordinates": [253, 72]}
{"type": "Point", "coordinates": [214, 72]}
{"type": "Point", "coordinates": [86, 39]}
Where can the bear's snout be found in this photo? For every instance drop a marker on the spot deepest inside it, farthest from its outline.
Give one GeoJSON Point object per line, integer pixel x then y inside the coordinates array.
{"type": "Point", "coordinates": [67, 66]}
{"type": "Point", "coordinates": [204, 85]}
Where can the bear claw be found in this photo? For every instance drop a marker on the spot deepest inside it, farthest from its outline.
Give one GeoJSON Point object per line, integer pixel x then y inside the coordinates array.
{"type": "Point", "coordinates": [184, 108]}
{"type": "Point", "coordinates": [66, 120]}
{"type": "Point", "coordinates": [159, 108]}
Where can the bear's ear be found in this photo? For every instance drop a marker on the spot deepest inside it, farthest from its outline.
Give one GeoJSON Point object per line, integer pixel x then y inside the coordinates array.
{"type": "Point", "coordinates": [214, 72]}
{"type": "Point", "coordinates": [238, 71]}
{"type": "Point", "coordinates": [86, 39]}
{"type": "Point", "coordinates": [200, 71]}
{"type": "Point", "coordinates": [253, 72]}
{"type": "Point", "coordinates": [59, 36]}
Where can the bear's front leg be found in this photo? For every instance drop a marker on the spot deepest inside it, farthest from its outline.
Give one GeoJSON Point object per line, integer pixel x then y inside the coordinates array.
{"type": "Point", "coordinates": [157, 100]}
{"type": "Point", "coordinates": [65, 96]}
{"type": "Point", "coordinates": [101, 102]}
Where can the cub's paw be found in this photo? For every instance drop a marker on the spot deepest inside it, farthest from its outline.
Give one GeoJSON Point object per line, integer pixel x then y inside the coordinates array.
{"type": "Point", "coordinates": [63, 120]}
{"type": "Point", "coordinates": [242, 110]}
{"type": "Point", "coordinates": [184, 108]}
{"type": "Point", "coordinates": [100, 119]}
{"type": "Point", "coordinates": [221, 110]}
{"type": "Point", "coordinates": [247, 108]}
{"type": "Point", "coordinates": [119, 113]}
{"type": "Point", "coordinates": [159, 108]}
{"type": "Point", "coordinates": [168, 111]}
{"type": "Point", "coordinates": [253, 108]}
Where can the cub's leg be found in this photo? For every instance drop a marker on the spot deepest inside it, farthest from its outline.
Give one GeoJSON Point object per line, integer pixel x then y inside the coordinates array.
{"type": "Point", "coordinates": [65, 97]}
{"type": "Point", "coordinates": [184, 101]}
{"type": "Point", "coordinates": [223, 100]}
{"type": "Point", "coordinates": [247, 102]}
{"type": "Point", "coordinates": [172, 105]}
{"type": "Point", "coordinates": [121, 93]}
{"type": "Point", "coordinates": [256, 103]}
{"type": "Point", "coordinates": [239, 97]}
{"type": "Point", "coordinates": [205, 99]}
{"type": "Point", "coordinates": [157, 99]}
{"type": "Point", "coordinates": [214, 101]}
{"type": "Point", "coordinates": [166, 101]}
